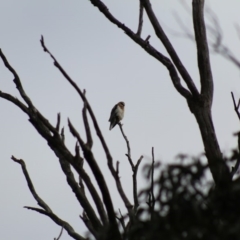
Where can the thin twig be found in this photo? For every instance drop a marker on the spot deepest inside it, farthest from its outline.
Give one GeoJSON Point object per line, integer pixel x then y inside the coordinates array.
{"type": "Point", "coordinates": [134, 176]}
{"type": "Point", "coordinates": [152, 198]}
{"type": "Point", "coordinates": [86, 124]}
{"type": "Point", "coordinates": [59, 234]}
{"type": "Point", "coordinates": [134, 168]}
{"type": "Point", "coordinates": [88, 224]}
{"type": "Point", "coordinates": [128, 146]}
{"type": "Point", "coordinates": [59, 222]}
{"type": "Point", "coordinates": [121, 220]}
{"type": "Point", "coordinates": [15, 101]}
{"type": "Point", "coordinates": [237, 164]}
{"type": "Point", "coordinates": [236, 167]}
{"type": "Point", "coordinates": [140, 20]}
{"type": "Point", "coordinates": [16, 80]}
{"type": "Point", "coordinates": [40, 202]}
{"type": "Point", "coordinates": [236, 106]}
{"type": "Point", "coordinates": [62, 135]}
{"type": "Point", "coordinates": [147, 38]}
{"type": "Point", "coordinates": [58, 122]}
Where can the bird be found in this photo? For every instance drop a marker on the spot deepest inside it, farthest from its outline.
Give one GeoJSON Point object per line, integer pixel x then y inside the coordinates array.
{"type": "Point", "coordinates": [116, 115]}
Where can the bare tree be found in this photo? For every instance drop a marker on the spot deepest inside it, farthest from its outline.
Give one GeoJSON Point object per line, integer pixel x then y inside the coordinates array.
{"type": "Point", "coordinates": [199, 102]}
{"type": "Point", "coordinates": [180, 196]}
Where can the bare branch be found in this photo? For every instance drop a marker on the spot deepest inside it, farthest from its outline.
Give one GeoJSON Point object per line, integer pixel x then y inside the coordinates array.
{"type": "Point", "coordinates": [15, 101]}
{"type": "Point", "coordinates": [135, 195]}
{"type": "Point", "coordinates": [16, 80]}
{"type": "Point", "coordinates": [134, 168]}
{"type": "Point", "coordinates": [58, 122]}
{"type": "Point", "coordinates": [40, 202]}
{"type": "Point", "coordinates": [236, 107]}
{"type": "Point", "coordinates": [72, 183]}
{"type": "Point", "coordinates": [237, 27]}
{"type": "Point", "coordinates": [147, 38]}
{"type": "Point", "coordinates": [59, 222]}
{"type": "Point", "coordinates": [62, 135]}
{"type": "Point", "coordinates": [121, 220]}
{"type": "Point", "coordinates": [60, 234]}
{"type": "Point", "coordinates": [121, 192]}
{"type": "Point", "coordinates": [56, 143]}
{"type": "Point", "coordinates": [47, 211]}
{"type": "Point", "coordinates": [151, 193]}
{"type": "Point", "coordinates": [217, 44]}
{"type": "Point", "coordinates": [88, 224]}
{"type": "Point", "coordinates": [215, 36]}
{"type": "Point", "coordinates": [150, 50]}
{"type": "Point", "coordinates": [80, 195]}
{"type": "Point", "coordinates": [140, 21]}
{"type": "Point", "coordinates": [235, 168]}
{"type": "Point", "coordinates": [95, 169]}
{"type": "Point", "coordinates": [86, 124]}
{"type": "Point", "coordinates": [237, 164]}
{"type": "Point", "coordinates": [128, 146]}
{"type": "Point", "coordinates": [202, 50]}
{"type": "Point", "coordinates": [114, 231]}
{"type": "Point", "coordinates": [167, 44]}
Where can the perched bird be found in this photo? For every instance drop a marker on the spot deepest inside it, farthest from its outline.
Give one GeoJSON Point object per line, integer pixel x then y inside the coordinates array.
{"type": "Point", "coordinates": [117, 114]}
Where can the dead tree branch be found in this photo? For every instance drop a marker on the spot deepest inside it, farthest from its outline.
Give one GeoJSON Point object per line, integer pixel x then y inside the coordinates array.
{"type": "Point", "coordinates": [149, 49]}
{"type": "Point", "coordinates": [236, 106]}
{"type": "Point", "coordinates": [80, 195]}
{"type": "Point", "coordinates": [88, 224]}
{"type": "Point", "coordinates": [134, 168]}
{"type": "Point", "coordinates": [151, 199]}
{"type": "Point", "coordinates": [92, 163]}
{"type": "Point", "coordinates": [46, 209]}
{"type": "Point", "coordinates": [140, 20]}
{"type": "Point", "coordinates": [86, 124]}
{"type": "Point", "coordinates": [56, 143]}
{"type": "Point", "coordinates": [167, 44]}
{"type": "Point", "coordinates": [199, 104]}
{"type": "Point", "coordinates": [101, 182]}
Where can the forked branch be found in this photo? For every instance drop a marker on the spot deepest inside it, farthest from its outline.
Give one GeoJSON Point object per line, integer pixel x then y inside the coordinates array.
{"type": "Point", "coordinates": [153, 52]}
{"type": "Point", "coordinates": [236, 106]}
{"type": "Point", "coordinates": [46, 209]}
{"type": "Point", "coordinates": [167, 44]}
{"type": "Point", "coordinates": [134, 168]}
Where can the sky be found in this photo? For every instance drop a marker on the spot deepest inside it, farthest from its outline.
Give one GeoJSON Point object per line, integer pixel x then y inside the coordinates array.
{"type": "Point", "coordinates": [112, 68]}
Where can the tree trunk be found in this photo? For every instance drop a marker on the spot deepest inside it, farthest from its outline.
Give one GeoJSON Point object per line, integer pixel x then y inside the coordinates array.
{"type": "Point", "coordinates": [202, 112]}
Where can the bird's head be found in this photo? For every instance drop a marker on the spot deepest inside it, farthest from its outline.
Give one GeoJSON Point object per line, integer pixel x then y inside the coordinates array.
{"type": "Point", "coordinates": [121, 104]}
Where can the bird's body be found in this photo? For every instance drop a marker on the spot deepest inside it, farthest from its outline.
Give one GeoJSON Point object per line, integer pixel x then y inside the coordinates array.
{"type": "Point", "coordinates": [116, 115]}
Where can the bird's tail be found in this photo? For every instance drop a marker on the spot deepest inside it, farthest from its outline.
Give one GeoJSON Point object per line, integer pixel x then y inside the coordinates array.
{"type": "Point", "coordinates": [112, 124]}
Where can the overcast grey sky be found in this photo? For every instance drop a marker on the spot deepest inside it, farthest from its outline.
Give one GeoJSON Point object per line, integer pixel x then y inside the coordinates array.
{"type": "Point", "coordinates": [104, 61]}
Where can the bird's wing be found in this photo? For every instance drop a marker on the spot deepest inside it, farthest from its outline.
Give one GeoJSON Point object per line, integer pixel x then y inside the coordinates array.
{"type": "Point", "coordinates": [113, 113]}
